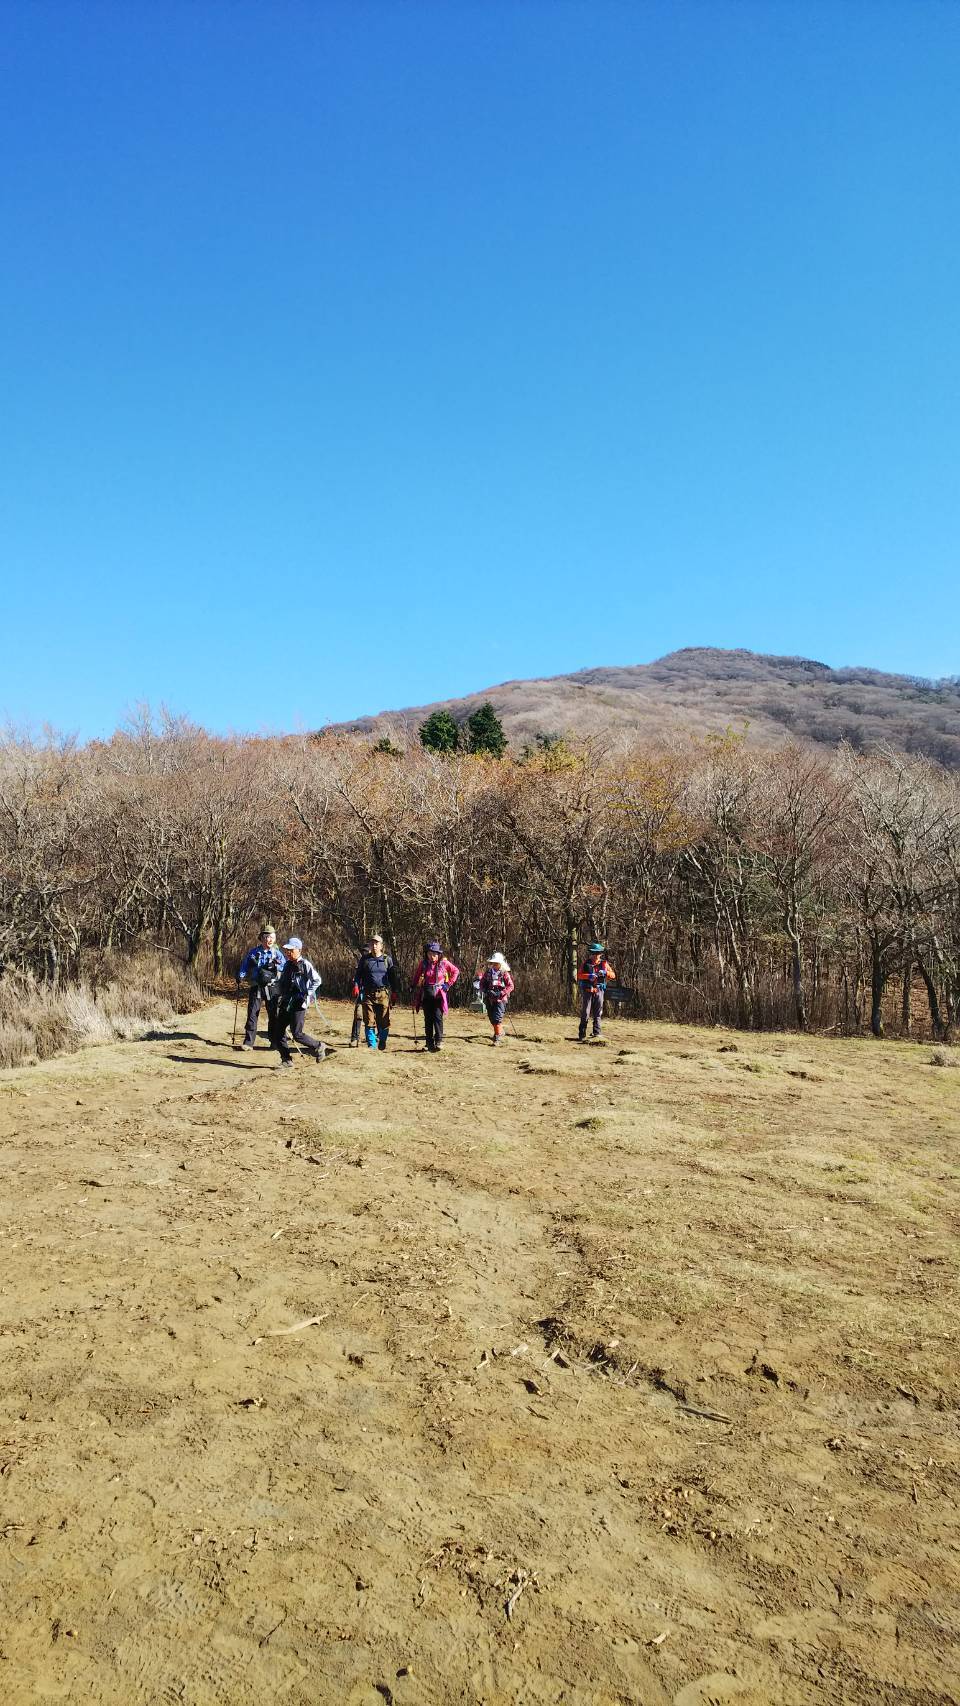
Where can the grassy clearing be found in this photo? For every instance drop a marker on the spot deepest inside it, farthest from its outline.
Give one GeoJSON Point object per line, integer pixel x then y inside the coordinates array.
{"type": "Point", "coordinates": [769, 1210]}
{"type": "Point", "coordinates": [668, 1344]}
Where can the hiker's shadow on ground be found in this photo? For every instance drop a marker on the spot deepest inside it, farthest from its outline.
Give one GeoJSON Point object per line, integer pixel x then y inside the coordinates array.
{"type": "Point", "coordinates": [395, 1048]}
{"type": "Point", "coordinates": [181, 1037]}
{"type": "Point", "coordinates": [215, 1060]}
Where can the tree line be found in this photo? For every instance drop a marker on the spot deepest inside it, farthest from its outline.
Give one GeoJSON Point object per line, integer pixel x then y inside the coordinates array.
{"type": "Point", "coordinates": [786, 888]}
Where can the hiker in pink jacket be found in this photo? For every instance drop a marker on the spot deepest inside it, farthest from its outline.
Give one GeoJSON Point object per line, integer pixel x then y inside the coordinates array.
{"type": "Point", "coordinates": [432, 977]}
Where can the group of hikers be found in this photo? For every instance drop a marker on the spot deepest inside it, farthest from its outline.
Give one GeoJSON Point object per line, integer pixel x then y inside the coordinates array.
{"type": "Point", "coordinates": [285, 982]}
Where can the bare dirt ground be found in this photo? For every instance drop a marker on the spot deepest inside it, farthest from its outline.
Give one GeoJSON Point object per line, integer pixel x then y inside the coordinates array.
{"type": "Point", "coordinates": [633, 1379]}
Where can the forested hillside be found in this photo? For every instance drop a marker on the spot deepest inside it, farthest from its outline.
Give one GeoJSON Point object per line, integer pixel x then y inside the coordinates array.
{"type": "Point", "coordinates": [704, 691]}
{"type": "Point", "coordinates": [755, 887]}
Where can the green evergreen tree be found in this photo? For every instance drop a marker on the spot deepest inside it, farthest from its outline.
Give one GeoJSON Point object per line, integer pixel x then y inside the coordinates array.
{"type": "Point", "coordinates": [439, 733]}
{"type": "Point", "coordinates": [485, 732]}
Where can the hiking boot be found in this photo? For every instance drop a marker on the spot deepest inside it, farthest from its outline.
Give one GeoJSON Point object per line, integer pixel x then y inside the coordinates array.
{"type": "Point", "coordinates": [319, 1053]}
{"type": "Point", "coordinates": [382, 1044]}
{"type": "Point", "coordinates": [437, 1048]}
{"type": "Point", "coordinates": [286, 1066]}
{"type": "Point", "coordinates": [246, 1045]}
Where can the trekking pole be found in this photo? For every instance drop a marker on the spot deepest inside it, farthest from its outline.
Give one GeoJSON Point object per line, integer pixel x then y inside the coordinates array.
{"type": "Point", "coordinates": [416, 1039]}
{"type": "Point", "coordinates": [236, 1015]}
{"type": "Point", "coordinates": [477, 1003]}
{"type": "Point", "coordinates": [355, 1032]}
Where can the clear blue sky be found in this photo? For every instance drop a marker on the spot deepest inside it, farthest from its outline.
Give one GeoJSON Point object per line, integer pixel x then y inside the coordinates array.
{"type": "Point", "coordinates": [358, 354]}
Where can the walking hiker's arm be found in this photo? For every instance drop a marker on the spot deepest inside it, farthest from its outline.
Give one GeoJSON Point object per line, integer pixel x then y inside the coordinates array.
{"type": "Point", "coordinates": [451, 972]}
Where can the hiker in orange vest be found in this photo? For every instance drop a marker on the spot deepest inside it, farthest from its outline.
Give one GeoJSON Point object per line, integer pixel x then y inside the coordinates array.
{"type": "Point", "coordinates": [592, 978]}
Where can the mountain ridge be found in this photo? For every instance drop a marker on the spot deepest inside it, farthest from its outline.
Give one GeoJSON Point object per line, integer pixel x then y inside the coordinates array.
{"type": "Point", "coordinates": [702, 690]}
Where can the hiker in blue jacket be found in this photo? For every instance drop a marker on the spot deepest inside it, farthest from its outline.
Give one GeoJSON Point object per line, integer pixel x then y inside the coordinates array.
{"type": "Point", "coordinates": [262, 965]}
{"type": "Point", "coordinates": [375, 984]}
{"type": "Point", "coordinates": [299, 982]}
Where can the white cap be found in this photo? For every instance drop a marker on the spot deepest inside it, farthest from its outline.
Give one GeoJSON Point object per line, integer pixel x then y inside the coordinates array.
{"type": "Point", "coordinates": [294, 942]}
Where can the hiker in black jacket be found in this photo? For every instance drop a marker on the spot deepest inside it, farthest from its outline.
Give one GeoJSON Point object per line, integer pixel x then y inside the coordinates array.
{"type": "Point", "coordinates": [375, 984]}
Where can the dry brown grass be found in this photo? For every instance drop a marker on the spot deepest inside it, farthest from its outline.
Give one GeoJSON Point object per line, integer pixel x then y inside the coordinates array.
{"type": "Point", "coordinates": [38, 1020]}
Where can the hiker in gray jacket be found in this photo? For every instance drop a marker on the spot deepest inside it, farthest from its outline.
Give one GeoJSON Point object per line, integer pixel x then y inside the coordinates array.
{"type": "Point", "coordinates": [299, 982]}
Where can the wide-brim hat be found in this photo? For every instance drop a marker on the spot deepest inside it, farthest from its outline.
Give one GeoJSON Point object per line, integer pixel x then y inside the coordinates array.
{"type": "Point", "coordinates": [497, 960]}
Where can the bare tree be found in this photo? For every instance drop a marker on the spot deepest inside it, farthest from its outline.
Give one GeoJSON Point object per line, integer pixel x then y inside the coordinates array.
{"type": "Point", "coordinates": [798, 807]}
{"type": "Point", "coordinates": [757, 887]}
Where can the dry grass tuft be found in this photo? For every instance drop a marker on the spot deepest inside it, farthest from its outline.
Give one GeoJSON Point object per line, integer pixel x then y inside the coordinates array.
{"type": "Point", "coordinates": [39, 1020]}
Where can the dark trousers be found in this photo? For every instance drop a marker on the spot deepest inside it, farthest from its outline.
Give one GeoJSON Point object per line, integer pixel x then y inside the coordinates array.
{"type": "Point", "coordinates": [432, 1020]}
{"type": "Point", "coordinates": [255, 1000]}
{"type": "Point", "coordinates": [292, 1019]}
{"type": "Point", "coordinates": [591, 1007]}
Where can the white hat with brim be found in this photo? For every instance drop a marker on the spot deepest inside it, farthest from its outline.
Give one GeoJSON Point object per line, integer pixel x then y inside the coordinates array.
{"type": "Point", "coordinates": [497, 960]}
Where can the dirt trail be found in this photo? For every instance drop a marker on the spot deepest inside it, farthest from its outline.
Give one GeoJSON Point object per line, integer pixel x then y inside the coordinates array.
{"type": "Point", "coordinates": [634, 1379]}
